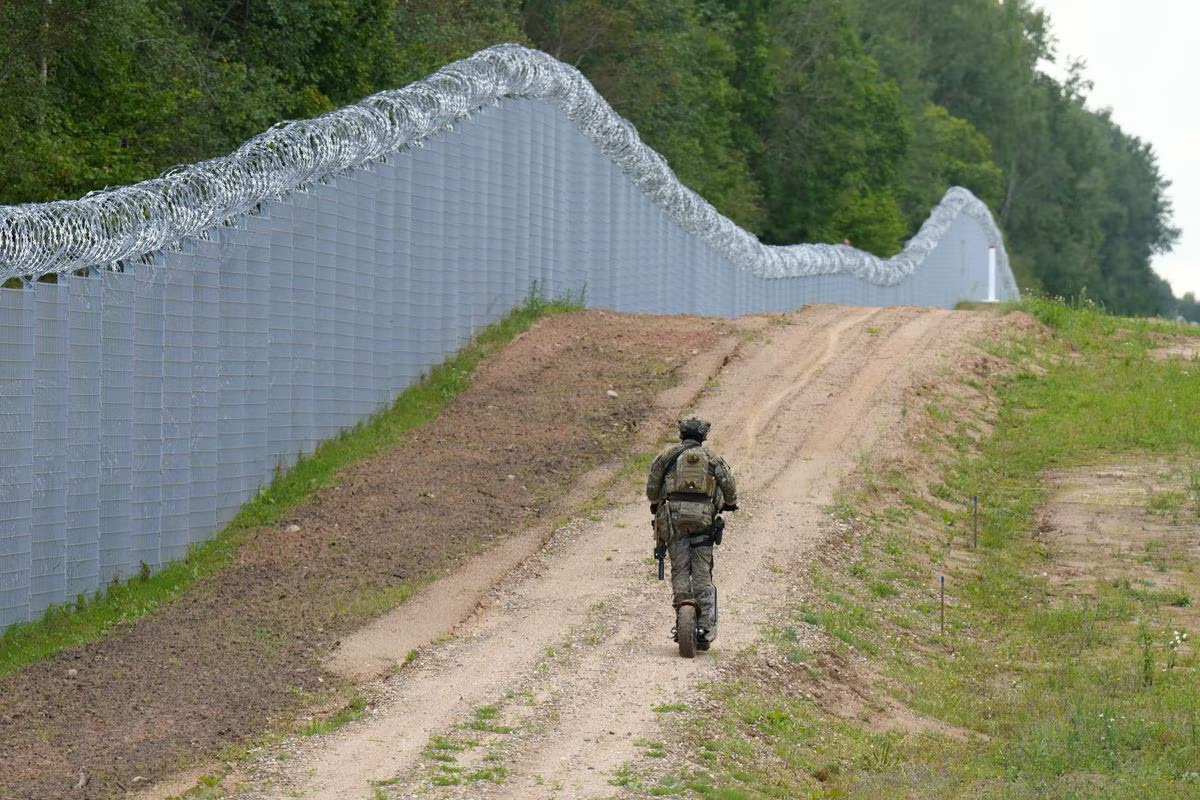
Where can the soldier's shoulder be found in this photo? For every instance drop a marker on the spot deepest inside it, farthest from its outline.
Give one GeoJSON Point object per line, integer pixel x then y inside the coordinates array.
{"type": "Point", "coordinates": [663, 455]}
{"type": "Point", "coordinates": [717, 458]}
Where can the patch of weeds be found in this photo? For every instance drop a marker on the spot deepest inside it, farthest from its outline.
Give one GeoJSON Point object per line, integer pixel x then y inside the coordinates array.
{"type": "Point", "coordinates": [447, 776]}
{"type": "Point", "coordinates": [493, 774]}
{"type": "Point", "coordinates": [441, 748]}
{"type": "Point", "coordinates": [484, 721]}
{"type": "Point", "coordinates": [1167, 503]}
{"type": "Point", "coordinates": [761, 744]}
{"type": "Point", "coordinates": [1155, 555]}
{"type": "Point", "coordinates": [208, 787]}
{"type": "Point", "coordinates": [592, 508]}
{"type": "Point", "coordinates": [670, 786]}
{"type": "Point", "coordinates": [881, 752]}
{"type": "Point", "coordinates": [636, 466]}
{"type": "Point", "coordinates": [525, 697]}
{"type": "Point", "coordinates": [670, 708]}
{"type": "Point", "coordinates": [1177, 599]}
{"type": "Point", "coordinates": [787, 640]}
{"type": "Point", "coordinates": [882, 590]}
{"type": "Point", "coordinates": [652, 749]}
{"type": "Point", "coordinates": [847, 621]}
{"type": "Point", "coordinates": [942, 492]}
{"type": "Point", "coordinates": [598, 624]}
{"type": "Point", "coordinates": [748, 335]}
{"type": "Point", "coordinates": [377, 787]}
{"type": "Point", "coordinates": [625, 777]}
{"type": "Point", "coordinates": [1193, 489]}
{"type": "Point", "coordinates": [353, 710]}
{"type": "Point", "coordinates": [233, 752]}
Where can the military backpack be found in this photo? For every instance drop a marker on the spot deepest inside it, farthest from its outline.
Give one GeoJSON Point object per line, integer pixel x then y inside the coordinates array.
{"type": "Point", "coordinates": [693, 475]}
{"type": "Point", "coordinates": [691, 489]}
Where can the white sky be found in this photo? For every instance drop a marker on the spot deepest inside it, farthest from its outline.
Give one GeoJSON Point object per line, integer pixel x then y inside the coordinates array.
{"type": "Point", "coordinates": [1143, 60]}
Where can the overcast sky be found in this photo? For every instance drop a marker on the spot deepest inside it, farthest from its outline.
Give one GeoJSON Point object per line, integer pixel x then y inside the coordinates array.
{"type": "Point", "coordinates": [1143, 59]}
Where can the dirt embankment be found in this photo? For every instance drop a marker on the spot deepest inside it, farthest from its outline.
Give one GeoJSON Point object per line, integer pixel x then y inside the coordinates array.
{"type": "Point", "coordinates": [537, 662]}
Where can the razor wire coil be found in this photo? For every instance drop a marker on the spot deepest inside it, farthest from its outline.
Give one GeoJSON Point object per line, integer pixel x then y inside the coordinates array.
{"type": "Point", "coordinates": [111, 225]}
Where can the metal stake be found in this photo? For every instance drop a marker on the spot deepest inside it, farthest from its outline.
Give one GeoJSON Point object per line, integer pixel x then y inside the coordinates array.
{"type": "Point", "coordinates": [975, 535]}
{"type": "Point", "coordinates": [943, 604]}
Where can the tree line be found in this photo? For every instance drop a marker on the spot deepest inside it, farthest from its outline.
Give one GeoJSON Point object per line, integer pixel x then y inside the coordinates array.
{"type": "Point", "coordinates": [801, 120]}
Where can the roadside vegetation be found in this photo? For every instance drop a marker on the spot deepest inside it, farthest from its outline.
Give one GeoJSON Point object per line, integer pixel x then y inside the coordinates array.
{"type": "Point", "coordinates": [1054, 668]}
{"type": "Point", "coordinates": [90, 617]}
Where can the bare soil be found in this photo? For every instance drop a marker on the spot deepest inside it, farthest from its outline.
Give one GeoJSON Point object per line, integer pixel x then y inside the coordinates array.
{"type": "Point", "coordinates": [1130, 524]}
{"type": "Point", "coordinates": [537, 648]}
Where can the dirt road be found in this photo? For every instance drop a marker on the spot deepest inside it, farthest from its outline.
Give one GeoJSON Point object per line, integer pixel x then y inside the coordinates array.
{"type": "Point", "coordinates": [535, 670]}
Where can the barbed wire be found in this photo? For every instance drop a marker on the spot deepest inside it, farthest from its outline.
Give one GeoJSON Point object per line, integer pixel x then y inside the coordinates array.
{"type": "Point", "coordinates": [123, 223]}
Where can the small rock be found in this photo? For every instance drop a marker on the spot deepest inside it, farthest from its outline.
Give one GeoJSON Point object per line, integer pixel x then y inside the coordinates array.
{"type": "Point", "coordinates": [611, 393]}
{"type": "Point", "coordinates": [71, 673]}
{"type": "Point", "coordinates": [293, 528]}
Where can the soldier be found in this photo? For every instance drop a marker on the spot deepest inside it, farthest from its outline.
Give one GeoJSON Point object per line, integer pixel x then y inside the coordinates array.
{"type": "Point", "coordinates": [687, 487]}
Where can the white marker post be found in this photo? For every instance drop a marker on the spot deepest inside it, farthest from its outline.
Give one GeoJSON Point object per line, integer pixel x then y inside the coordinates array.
{"type": "Point", "coordinates": [991, 296]}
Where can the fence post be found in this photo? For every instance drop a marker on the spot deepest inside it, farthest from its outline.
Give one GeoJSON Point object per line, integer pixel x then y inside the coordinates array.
{"type": "Point", "coordinates": [991, 295]}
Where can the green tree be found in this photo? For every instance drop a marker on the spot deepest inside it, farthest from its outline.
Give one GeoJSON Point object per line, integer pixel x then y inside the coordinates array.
{"type": "Point", "coordinates": [836, 137]}
{"type": "Point", "coordinates": [946, 151]}
{"type": "Point", "coordinates": [664, 65]}
{"type": "Point", "coordinates": [1081, 205]}
{"type": "Point", "coordinates": [1188, 309]}
{"type": "Point", "coordinates": [323, 54]}
{"type": "Point", "coordinates": [111, 92]}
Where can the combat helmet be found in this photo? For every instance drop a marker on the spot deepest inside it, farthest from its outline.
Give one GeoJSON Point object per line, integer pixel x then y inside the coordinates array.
{"type": "Point", "coordinates": [693, 428]}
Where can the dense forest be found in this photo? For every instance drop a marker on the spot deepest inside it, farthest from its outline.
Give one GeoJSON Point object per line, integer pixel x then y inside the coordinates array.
{"type": "Point", "coordinates": [801, 120]}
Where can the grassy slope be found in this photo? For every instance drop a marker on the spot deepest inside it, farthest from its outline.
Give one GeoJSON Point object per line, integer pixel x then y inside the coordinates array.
{"type": "Point", "coordinates": [1026, 691]}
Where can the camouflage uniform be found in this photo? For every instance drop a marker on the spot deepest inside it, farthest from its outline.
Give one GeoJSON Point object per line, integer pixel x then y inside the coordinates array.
{"type": "Point", "coordinates": [691, 550]}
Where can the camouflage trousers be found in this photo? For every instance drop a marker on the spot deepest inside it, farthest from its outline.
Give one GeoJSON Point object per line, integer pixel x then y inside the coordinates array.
{"type": "Point", "coordinates": [691, 576]}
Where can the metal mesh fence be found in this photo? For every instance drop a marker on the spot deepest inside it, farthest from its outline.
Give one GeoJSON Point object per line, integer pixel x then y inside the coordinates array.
{"type": "Point", "coordinates": [145, 398]}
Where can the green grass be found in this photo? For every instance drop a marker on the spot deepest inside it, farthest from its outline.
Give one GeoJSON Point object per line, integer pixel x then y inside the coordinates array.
{"type": "Point", "coordinates": [90, 617]}
{"type": "Point", "coordinates": [353, 710]}
{"type": "Point", "coordinates": [485, 721]}
{"type": "Point", "coordinates": [444, 752]}
{"type": "Point", "coordinates": [1029, 692]}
